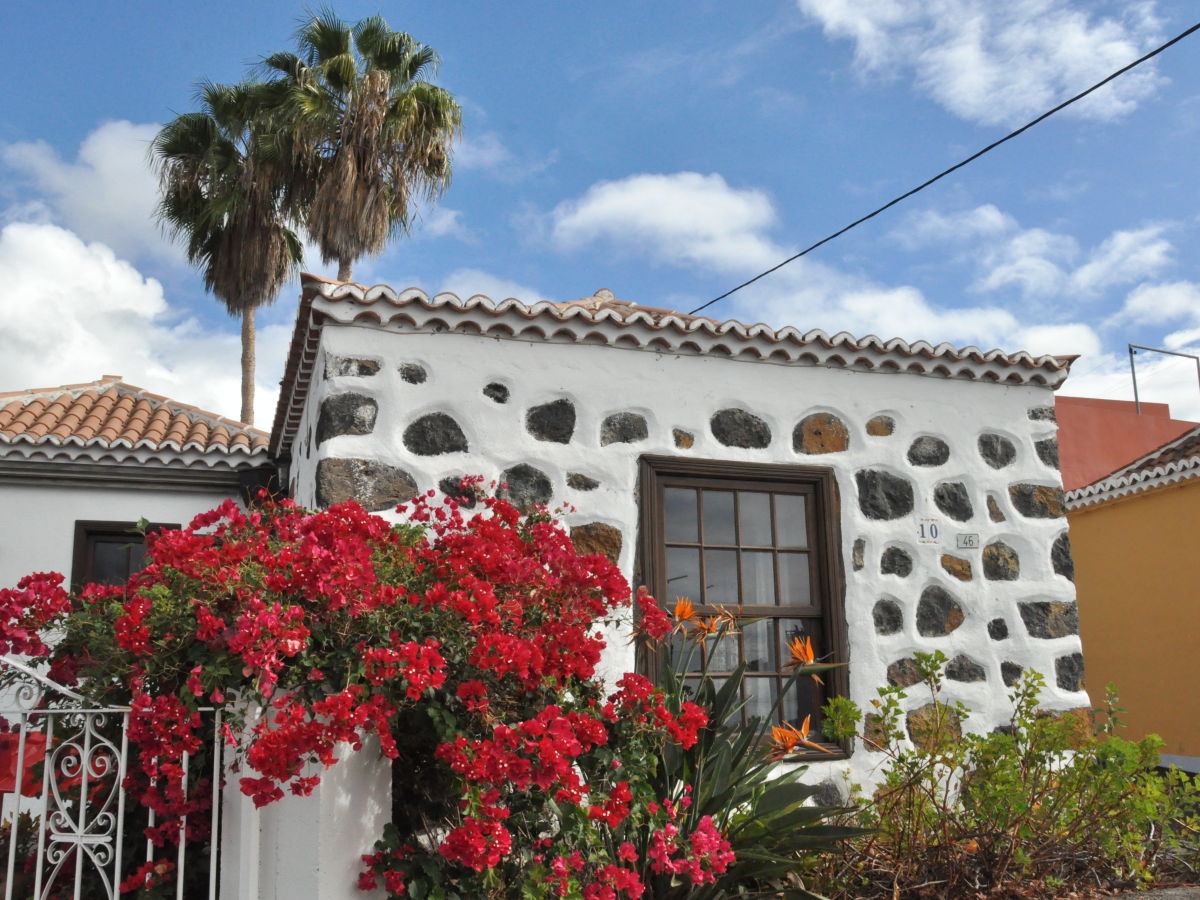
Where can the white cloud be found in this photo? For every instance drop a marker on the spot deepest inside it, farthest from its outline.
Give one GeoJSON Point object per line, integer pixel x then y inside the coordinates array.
{"type": "Point", "coordinates": [931, 227]}
{"type": "Point", "coordinates": [466, 283]}
{"type": "Point", "coordinates": [1060, 340]}
{"type": "Point", "coordinates": [1033, 260]}
{"type": "Point", "coordinates": [1000, 63]}
{"type": "Point", "coordinates": [441, 221]}
{"type": "Point", "coordinates": [683, 217]}
{"type": "Point", "coordinates": [484, 152]}
{"type": "Point", "coordinates": [1123, 257]}
{"type": "Point", "coordinates": [74, 311]}
{"type": "Point", "coordinates": [1161, 379]}
{"type": "Point", "coordinates": [107, 194]}
{"type": "Point", "coordinates": [1156, 303]}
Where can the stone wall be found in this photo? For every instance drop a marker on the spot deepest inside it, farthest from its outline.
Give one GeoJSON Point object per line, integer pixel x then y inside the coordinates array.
{"type": "Point", "coordinates": [920, 462]}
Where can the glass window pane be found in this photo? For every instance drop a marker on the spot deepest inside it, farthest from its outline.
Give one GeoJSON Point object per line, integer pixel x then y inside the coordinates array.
{"type": "Point", "coordinates": [680, 504]}
{"type": "Point", "coordinates": [754, 515]}
{"type": "Point", "coordinates": [758, 639]}
{"type": "Point", "coordinates": [685, 654]}
{"type": "Point", "coordinates": [723, 653]}
{"type": "Point", "coordinates": [758, 578]}
{"type": "Point", "coordinates": [804, 699]}
{"type": "Point", "coordinates": [791, 527]}
{"type": "Point", "coordinates": [795, 587]}
{"type": "Point", "coordinates": [110, 560]}
{"type": "Point", "coordinates": [718, 518]}
{"type": "Point", "coordinates": [761, 694]}
{"type": "Point", "coordinates": [683, 575]}
{"type": "Point", "coordinates": [720, 577]}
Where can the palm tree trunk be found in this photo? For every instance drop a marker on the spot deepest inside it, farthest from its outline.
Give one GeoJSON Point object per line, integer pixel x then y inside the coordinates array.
{"type": "Point", "coordinates": [248, 365]}
{"type": "Point", "coordinates": [344, 269]}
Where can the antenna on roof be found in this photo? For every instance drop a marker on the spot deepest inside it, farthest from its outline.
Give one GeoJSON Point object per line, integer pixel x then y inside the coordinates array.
{"type": "Point", "coordinates": [1134, 348]}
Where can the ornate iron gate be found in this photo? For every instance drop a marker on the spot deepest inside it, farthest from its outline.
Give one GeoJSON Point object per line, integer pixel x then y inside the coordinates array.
{"type": "Point", "coordinates": [62, 772]}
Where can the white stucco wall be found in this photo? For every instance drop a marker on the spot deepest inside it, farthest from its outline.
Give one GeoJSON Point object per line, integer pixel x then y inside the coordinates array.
{"type": "Point", "coordinates": [683, 392]}
{"type": "Point", "coordinates": [37, 521]}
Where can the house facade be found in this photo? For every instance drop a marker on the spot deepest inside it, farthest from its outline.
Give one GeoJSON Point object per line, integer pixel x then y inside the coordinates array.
{"type": "Point", "coordinates": [881, 498]}
{"type": "Point", "coordinates": [1133, 531]}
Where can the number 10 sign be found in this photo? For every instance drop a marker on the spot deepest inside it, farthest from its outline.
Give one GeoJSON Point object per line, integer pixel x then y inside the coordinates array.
{"type": "Point", "coordinates": [929, 531]}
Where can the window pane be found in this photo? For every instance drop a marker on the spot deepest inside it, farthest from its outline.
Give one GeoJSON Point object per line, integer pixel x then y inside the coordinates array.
{"type": "Point", "coordinates": [791, 528]}
{"type": "Point", "coordinates": [723, 653]}
{"type": "Point", "coordinates": [720, 577]}
{"type": "Point", "coordinates": [804, 699]}
{"type": "Point", "coordinates": [718, 517]}
{"type": "Point", "coordinates": [683, 575]}
{"type": "Point", "coordinates": [761, 694]}
{"type": "Point", "coordinates": [758, 638]}
{"type": "Point", "coordinates": [681, 514]}
{"type": "Point", "coordinates": [685, 652]}
{"type": "Point", "coordinates": [110, 560]}
{"type": "Point", "coordinates": [754, 515]}
{"type": "Point", "coordinates": [758, 578]}
{"type": "Point", "coordinates": [795, 588]}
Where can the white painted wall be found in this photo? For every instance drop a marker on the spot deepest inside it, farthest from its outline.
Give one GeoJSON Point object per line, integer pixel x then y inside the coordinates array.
{"type": "Point", "coordinates": [684, 391]}
{"type": "Point", "coordinates": [37, 522]}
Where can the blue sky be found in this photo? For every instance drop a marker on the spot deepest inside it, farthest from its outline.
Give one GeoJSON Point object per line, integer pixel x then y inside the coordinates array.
{"type": "Point", "coordinates": [665, 151]}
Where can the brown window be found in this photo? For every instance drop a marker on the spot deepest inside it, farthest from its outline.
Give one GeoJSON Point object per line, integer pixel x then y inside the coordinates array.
{"type": "Point", "coordinates": [761, 539]}
{"type": "Point", "coordinates": [108, 552]}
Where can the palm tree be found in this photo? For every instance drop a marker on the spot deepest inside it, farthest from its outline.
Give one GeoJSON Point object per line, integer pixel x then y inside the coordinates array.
{"type": "Point", "coordinates": [222, 187]}
{"type": "Point", "coordinates": [370, 134]}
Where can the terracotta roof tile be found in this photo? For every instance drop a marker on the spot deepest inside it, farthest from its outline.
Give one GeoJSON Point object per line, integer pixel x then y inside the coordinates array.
{"type": "Point", "coordinates": [1175, 461]}
{"type": "Point", "coordinates": [109, 413]}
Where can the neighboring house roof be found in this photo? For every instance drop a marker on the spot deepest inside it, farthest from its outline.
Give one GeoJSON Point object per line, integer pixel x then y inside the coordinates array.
{"type": "Point", "coordinates": [605, 320]}
{"type": "Point", "coordinates": [1175, 461]}
{"type": "Point", "coordinates": [109, 421]}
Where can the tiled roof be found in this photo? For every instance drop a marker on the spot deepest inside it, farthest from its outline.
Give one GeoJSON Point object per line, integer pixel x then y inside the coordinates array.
{"type": "Point", "coordinates": [113, 417]}
{"type": "Point", "coordinates": [603, 319]}
{"type": "Point", "coordinates": [1175, 461]}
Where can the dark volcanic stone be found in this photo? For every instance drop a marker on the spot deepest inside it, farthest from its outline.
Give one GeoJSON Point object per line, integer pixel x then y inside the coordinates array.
{"type": "Point", "coordinates": [1068, 672]}
{"type": "Point", "coordinates": [998, 630]}
{"type": "Point", "coordinates": [1050, 618]}
{"type": "Point", "coordinates": [820, 433]}
{"type": "Point", "coordinates": [938, 613]}
{"type": "Point", "coordinates": [903, 673]}
{"type": "Point", "coordinates": [1060, 556]}
{"type": "Point", "coordinates": [1000, 562]}
{"type": "Point", "coordinates": [1037, 501]}
{"type": "Point", "coordinates": [997, 450]}
{"type": "Point", "coordinates": [451, 486]}
{"type": "Point", "coordinates": [1011, 672]}
{"type": "Point", "coordinates": [336, 366]}
{"type": "Point", "coordinates": [895, 561]}
{"type": "Point", "coordinates": [554, 422]}
{"type": "Point", "coordinates": [882, 495]}
{"type": "Point", "coordinates": [683, 439]}
{"type": "Point", "coordinates": [963, 668]}
{"type": "Point", "coordinates": [858, 554]}
{"type": "Point", "coordinates": [623, 428]}
{"type": "Point", "coordinates": [928, 451]}
{"type": "Point", "coordinates": [525, 487]}
{"type": "Point", "coordinates": [993, 509]}
{"type": "Point", "coordinates": [1047, 451]}
{"type": "Point", "coordinates": [1043, 414]}
{"type": "Point", "coordinates": [374, 485]}
{"type": "Point", "coordinates": [413, 373]}
{"type": "Point", "coordinates": [596, 537]}
{"type": "Point", "coordinates": [928, 730]}
{"type": "Point", "coordinates": [434, 434]}
{"type": "Point", "coordinates": [496, 391]}
{"type": "Point", "coordinates": [828, 795]}
{"type": "Point", "coordinates": [346, 414]}
{"type": "Point", "coordinates": [881, 426]}
{"type": "Point", "coordinates": [739, 428]}
{"type": "Point", "coordinates": [952, 499]}
{"type": "Point", "coordinates": [888, 616]}
{"type": "Point", "coordinates": [580, 482]}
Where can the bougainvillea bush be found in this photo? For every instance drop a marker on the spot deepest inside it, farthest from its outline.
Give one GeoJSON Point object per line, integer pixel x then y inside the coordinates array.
{"type": "Point", "coordinates": [466, 643]}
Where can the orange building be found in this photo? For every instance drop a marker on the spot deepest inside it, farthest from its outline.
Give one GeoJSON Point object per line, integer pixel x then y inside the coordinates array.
{"type": "Point", "coordinates": [1134, 538]}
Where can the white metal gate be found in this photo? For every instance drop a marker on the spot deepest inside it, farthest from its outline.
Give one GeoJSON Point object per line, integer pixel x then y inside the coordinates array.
{"type": "Point", "coordinates": [70, 830]}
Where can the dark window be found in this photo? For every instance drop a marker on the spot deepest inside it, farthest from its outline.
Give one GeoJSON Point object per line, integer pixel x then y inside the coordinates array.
{"type": "Point", "coordinates": [108, 552]}
{"type": "Point", "coordinates": [760, 539]}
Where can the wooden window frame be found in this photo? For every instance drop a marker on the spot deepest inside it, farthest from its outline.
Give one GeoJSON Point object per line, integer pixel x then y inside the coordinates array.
{"type": "Point", "coordinates": [83, 551]}
{"type": "Point", "coordinates": [825, 546]}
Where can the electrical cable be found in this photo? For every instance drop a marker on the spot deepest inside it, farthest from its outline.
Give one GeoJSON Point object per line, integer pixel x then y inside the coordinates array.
{"type": "Point", "coordinates": [954, 168]}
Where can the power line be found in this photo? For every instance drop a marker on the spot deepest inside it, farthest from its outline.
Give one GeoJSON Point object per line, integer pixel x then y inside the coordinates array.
{"type": "Point", "coordinates": [953, 168]}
